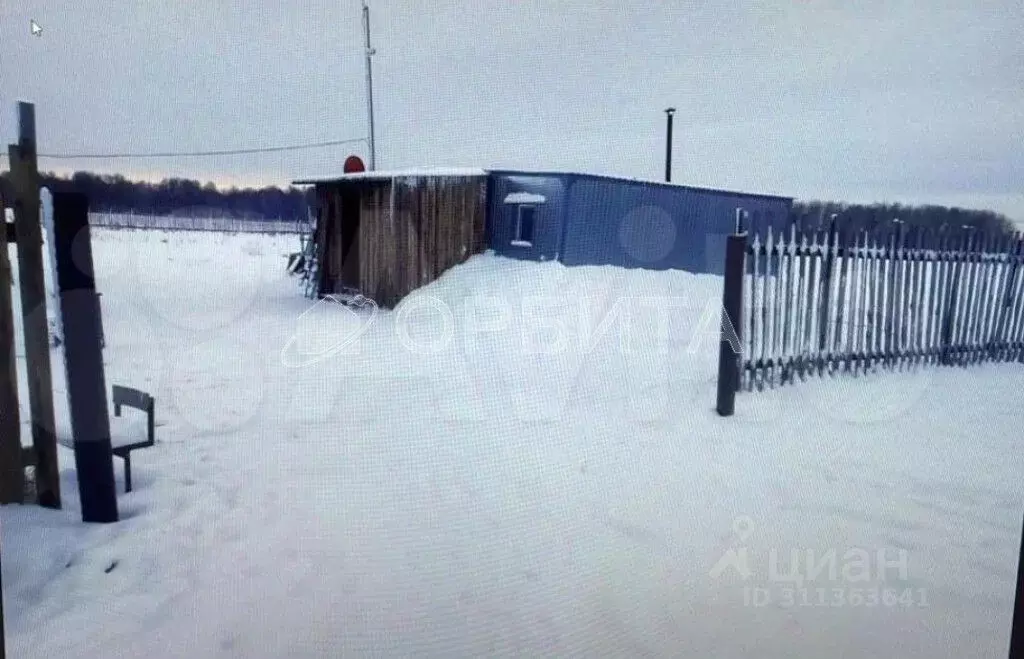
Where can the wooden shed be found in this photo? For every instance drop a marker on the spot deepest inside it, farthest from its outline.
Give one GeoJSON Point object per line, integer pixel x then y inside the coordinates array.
{"type": "Point", "coordinates": [385, 234]}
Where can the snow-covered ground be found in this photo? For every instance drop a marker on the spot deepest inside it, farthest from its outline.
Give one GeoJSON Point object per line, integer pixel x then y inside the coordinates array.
{"type": "Point", "coordinates": [522, 460]}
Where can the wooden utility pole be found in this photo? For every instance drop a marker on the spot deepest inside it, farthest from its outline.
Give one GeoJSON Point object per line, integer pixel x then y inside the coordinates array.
{"type": "Point", "coordinates": [12, 473]}
{"type": "Point", "coordinates": [25, 177]}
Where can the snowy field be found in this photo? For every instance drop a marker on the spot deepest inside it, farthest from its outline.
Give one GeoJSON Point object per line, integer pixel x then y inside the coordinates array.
{"type": "Point", "coordinates": [523, 460]}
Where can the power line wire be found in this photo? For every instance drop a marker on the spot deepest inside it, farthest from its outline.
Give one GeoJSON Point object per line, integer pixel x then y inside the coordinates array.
{"type": "Point", "coordinates": [191, 154]}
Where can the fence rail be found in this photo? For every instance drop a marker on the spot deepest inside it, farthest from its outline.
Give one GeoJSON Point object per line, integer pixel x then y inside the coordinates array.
{"type": "Point", "coordinates": [174, 223]}
{"type": "Point", "coordinates": [821, 302]}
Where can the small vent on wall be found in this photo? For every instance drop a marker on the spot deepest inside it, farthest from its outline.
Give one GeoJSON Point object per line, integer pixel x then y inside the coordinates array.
{"type": "Point", "coordinates": [524, 198]}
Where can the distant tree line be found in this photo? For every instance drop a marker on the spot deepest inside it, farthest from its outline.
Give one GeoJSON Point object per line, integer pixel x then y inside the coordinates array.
{"type": "Point", "coordinates": [176, 196]}
{"type": "Point", "coordinates": [874, 217]}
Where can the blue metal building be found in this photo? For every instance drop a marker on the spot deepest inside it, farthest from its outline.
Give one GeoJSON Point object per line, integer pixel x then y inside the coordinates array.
{"type": "Point", "coordinates": [584, 219]}
{"type": "Point", "coordinates": [387, 233]}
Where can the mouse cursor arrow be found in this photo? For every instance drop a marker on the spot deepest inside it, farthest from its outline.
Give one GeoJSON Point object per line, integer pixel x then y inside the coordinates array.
{"type": "Point", "coordinates": [37, 29]}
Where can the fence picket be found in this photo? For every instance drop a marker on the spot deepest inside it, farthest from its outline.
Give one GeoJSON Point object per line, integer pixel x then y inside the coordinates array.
{"type": "Point", "coordinates": [840, 339]}
{"type": "Point", "coordinates": [1014, 350]}
{"type": "Point", "coordinates": [961, 275]}
{"type": "Point", "coordinates": [812, 256]}
{"type": "Point", "coordinates": [998, 270]}
{"type": "Point", "coordinates": [949, 328]}
{"type": "Point", "coordinates": [890, 302]}
{"type": "Point", "coordinates": [906, 299]}
{"type": "Point", "coordinates": [917, 298]}
{"type": "Point", "coordinates": [762, 364]}
{"type": "Point", "coordinates": [854, 310]}
{"type": "Point", "coordinates": [776, 354]}
{"type": "Point", "coordinates": [943, 296]}
{"type": "Point", "coordinates": [910, 327]}
{"type": "Point", "coordinates": [789, 306]}
{"type": "Point", "coordinates": [923, 241]}
{"type": "Point", "coordinates": [1002, 272]}
{"type": "Point", "coordinates": [866, 300]}
{"type": "Point", "coordinates": [756, 247]}
{"type": "Point", "coordinates": [969, 295]}
{"type": "Point", "coordinates": [874, 305]}
{"type": "Point", "coordinates": [1006, 301]}
{"type": "Point", "coordinates": [980, 291]}
{"type": "Point", "coordinates": [898, 299]}
{"type": "Point", "coordinates": [992, 281]}
{"type": "Point", "coordinates": [934, 269]}
{"type": "Point", "coordinates": [800, 310]}
{"type": "Point", "coordinates": [1006, 260]}
{"type": "Point", "coordinates": [1006, 316]}
{"type": "Point", "coordinates": [822, 296]}
{"type": "Point", "coordinates": [1018, 307]}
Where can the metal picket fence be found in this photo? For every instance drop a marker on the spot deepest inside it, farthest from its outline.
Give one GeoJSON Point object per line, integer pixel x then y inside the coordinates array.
{"type": "Point", "coordinates": [196, 223]}
{"type": "Point", "coordinates": [806, 303]}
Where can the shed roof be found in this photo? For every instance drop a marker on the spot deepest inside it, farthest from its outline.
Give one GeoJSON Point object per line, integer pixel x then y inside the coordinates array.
{"type": "Point", "coordinates": [639, 181]}
{"type": "Point", "coordinates": [439, 172]}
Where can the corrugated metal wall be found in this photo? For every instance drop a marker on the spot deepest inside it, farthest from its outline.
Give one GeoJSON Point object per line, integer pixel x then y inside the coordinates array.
{"type": "Point", "coordinates": [548, 216]}
{"type": "Point", "coordinates": [593, 220]}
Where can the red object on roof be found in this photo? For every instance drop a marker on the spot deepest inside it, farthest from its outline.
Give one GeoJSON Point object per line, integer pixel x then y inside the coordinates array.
{"type": "Point", "coordinates": [354, 164]}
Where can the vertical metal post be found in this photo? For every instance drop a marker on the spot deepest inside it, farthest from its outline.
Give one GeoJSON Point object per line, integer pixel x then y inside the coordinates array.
{"type": "Point", "coordinates": [36, 329]}
{"type": "Point", "coordinates": [730, 350]}
{"type": "Point", "coordinates": [83, 358]}
{"type": "Point", "coordinates": [668, 145]}
{"type": "Point", "coordinates": [370, 52]}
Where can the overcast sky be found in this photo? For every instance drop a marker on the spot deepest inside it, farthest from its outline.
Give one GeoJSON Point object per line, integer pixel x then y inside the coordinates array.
{"type": "Point", "coordinates": [891, 101]}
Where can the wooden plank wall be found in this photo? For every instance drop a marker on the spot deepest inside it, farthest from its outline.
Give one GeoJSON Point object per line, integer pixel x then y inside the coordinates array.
{"type": "Point", "coordinates": [413, 230]}
{"type": "Point", "coordinates": [376, 238]}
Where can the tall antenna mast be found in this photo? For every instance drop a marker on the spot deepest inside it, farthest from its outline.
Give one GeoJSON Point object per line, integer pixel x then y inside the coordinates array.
{"type": "Point", "coordinates": [370, 52]}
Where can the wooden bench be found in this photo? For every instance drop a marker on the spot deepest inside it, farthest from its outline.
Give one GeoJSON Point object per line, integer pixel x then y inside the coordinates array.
{"type": "Point", "coordinates": [140, 400]}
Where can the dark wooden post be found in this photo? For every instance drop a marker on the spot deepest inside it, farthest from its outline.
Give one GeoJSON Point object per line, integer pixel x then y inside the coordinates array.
{"type": "Point", "coordinates": [730, 351]}
{"type": "Point", "coordinates": [83, 358]}
{"type": "Point", "coordinates": [12, 473]}
{"type": "Point", "coordinates": [3, 626]}
{"type": "Point", "coordinates": [25, 177]}
{"type": "Point", "coordinates": [1017, 630]}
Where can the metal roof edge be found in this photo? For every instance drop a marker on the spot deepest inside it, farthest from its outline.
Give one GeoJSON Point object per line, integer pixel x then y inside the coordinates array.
{"type": "Point", "coordinates": [439, 172]}
{"type": "Point", "coordinates": [638, 181]}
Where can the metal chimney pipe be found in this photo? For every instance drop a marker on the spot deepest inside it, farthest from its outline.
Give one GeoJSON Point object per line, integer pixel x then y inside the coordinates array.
{"type": "Point", "coordinates": [668, 145]}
